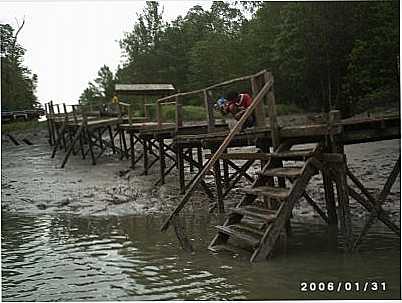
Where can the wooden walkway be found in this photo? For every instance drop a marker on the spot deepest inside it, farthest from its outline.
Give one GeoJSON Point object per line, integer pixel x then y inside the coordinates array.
{"type": "Point", "coordinates": [262, 218]}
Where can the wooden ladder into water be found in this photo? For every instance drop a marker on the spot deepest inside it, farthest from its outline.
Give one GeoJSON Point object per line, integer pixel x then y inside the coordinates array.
{"type": "Point", "coordinates": [254, 228]}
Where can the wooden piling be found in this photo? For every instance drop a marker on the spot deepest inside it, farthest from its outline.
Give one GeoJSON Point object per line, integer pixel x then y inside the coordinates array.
{"type": "Point", "coordinates": [132, 149]}
{"type": "Point", "coordinates": [162, 160]}
{"type": "Point", "coordinates": [329, 198]}
{"type": "Point", "coordinates": [343, 201]}
{"type": "Point", "coordinates": [218, 183]}
{"type": "Point", "coordinates": [145, 153]}
{"type": "Point", "coordinates": [272, 111]}
{"type": "Point", "coordinates": [180, 165]}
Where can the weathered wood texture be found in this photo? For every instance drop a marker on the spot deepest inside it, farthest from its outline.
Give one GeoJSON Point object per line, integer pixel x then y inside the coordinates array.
{"type": "Point", "coordinates": [219, 152]}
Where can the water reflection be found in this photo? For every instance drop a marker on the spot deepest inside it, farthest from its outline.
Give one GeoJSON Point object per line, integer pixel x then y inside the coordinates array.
{"type": "Point", "coordinates": [58, 257]}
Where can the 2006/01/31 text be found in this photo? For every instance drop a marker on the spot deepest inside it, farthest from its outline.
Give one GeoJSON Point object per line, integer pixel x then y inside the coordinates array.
{"type": "Point", "coordinates": [339, 286]}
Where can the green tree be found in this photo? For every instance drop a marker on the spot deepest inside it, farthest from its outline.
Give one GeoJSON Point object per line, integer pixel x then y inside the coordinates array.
{"type": "Point", "coordinates": [140, 45]}
{"type": "Point", "coordinates": [372, 74]}
{"type": "Point", "coordinates": [18, 84]}
{"type": "Point", "coordinates": [102, 90]}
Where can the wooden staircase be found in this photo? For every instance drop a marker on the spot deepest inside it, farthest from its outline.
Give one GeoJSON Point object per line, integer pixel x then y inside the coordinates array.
{"type": "Point", "coordinates": [252, 225]}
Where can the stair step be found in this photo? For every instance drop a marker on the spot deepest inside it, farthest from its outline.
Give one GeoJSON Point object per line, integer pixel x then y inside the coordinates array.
{"type": "Point", "coordinates": [290, 172]}
{"type": "Point", "coordinates": [228, 247]}
{"type": "Point", "coordinates": [269, 191]}
{"type": "Point", "coordinates": [242, 156]}
{"type": "Point", "coordinates": [240, 232]}
{"type": "Point", "coordinates": [253, 223]}
{"type": "Point", "coordinates": [265, 215]}
{"type": "Point", "coordinates": [299, 154]}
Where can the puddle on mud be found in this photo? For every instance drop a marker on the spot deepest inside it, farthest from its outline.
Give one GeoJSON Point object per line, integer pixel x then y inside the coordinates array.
{"type": "Point", "coordinates": [85, 244]}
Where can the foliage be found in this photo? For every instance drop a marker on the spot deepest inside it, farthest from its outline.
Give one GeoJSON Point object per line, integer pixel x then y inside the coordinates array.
{"type": "Point", "coordinates": [102, 90]}
{"type": "Point", "coordinates": [18, 84]}
{"type": "Point", "coordinates": [22, 125]}
{"type": "Point", "coordinates": [333, 54]}
{"type": "Point", "coordinates": [287, 109]}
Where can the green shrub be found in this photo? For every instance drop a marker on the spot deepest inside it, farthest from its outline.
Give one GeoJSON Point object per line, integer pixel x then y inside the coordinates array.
{"type": "Point", "coordinates": [21, 125]}
{"type": "Point", "coordinates": [287, 109]}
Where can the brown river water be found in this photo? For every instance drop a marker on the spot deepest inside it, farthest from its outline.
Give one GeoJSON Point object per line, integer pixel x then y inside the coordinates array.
{"type": "Point", "coordinates": [91, 233]}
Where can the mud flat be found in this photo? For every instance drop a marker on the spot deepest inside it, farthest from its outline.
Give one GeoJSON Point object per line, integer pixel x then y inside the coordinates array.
{"type": "Point", "coordinates": [92, 233]}
{"type": "Point", "coordinates": [32, 182]}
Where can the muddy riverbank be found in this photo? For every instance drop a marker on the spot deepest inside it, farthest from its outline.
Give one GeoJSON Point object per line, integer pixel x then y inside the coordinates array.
{"type": "Point", "coordinates": [92, 233]}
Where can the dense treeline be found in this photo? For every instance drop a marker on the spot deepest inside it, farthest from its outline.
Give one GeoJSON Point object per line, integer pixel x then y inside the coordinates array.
{"type": "Point", "coordinates": [322, 54]}
{"type": "Point", "coordinates": [18, 84]}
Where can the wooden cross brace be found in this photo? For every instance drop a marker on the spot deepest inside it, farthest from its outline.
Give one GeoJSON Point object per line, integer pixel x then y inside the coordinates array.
{"type": "Point", "coordinates": [376, 211]}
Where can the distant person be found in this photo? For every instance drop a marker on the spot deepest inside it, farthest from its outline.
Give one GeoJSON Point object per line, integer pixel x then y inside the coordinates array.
{"type": "Point", "coordinates": [237, 104]}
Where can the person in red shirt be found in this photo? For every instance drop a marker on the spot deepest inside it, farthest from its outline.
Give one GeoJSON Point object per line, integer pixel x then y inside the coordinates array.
{"type": "Point", "coordinates": [236, 104]}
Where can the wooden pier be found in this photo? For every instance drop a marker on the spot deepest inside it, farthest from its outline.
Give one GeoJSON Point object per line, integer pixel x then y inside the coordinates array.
{"type": "Point", "coordinates": [263, 215]}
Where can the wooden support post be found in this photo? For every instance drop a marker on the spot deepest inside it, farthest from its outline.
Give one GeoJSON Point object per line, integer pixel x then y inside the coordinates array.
{"type": "Point", "coordinates": [80, 137]}
{"type": "Point", "coordinates": [145, 153]}
{"type": "Point", "coordinates": [81, 146]}
{"type": "Point", "coordinates": [199, 157]}
{"type": "Point", "coordinates": [123, 137]}
{"type": "Point", "coordinates": [90, 145]}
{"type": "Point", "coordinates": [52, 123]}
{"type": "Point", "coordinates": [272, 112]}
{"type": "Point", "coordinates": [112, 139]}
{"type": "Point", "coordinates": [329, 198]}
{"type": "Point", "coordinates": [225, 173]}
{"type": "Point", "coordinates": [264, 146]}
{"type": "Point", "coordinates": [158, 114]}
{"type": "Point", "coordinates": [343, 201]}
{"type": "Point", "coordinates": [180, 165]}
{"type": "Point", "coordinates": [218, 183]}
{"type": "Point", "coordinates": [259, 113]}
{"type": "Point", "coordinates": [76, 136]}
{"type": "Point", "coordinates": [57, 143]}
{"type": "Point", "coordinates": [179, 113]}
{"type": "Point", "coordinates": [48, 125]}
{"type": "Point", "coordinates": [190, 155]}
{"type": "Point", "coordinates": [334, 117]}
{"type": "Point", "coordinates": [210, 112]}
{"type": "Point", "coordinates": [120, 144]}
{"type": "Point", "coordinates": [132, 149]}
{"type": "Point", "coordinates": [88, 135]}
{"type": "Point", "coordinates": [70, 139]}
{"type": "Point", "coordinates": [162, 160]}
{"type": "Point", "coordinates": [65, 122]}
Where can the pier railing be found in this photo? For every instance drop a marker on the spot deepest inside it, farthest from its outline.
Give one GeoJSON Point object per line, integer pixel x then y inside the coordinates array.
{"type": "Point", "coordinates": [265, 92]}
{"type": "Point", "coordinates": [257, 81]}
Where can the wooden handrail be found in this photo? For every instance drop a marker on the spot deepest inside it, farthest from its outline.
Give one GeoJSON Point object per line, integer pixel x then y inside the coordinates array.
{"type": "Point", "coordinates": [128, 106]}
{"type": "Point", "coordinates": [200, 91]}
{"type": "Point", "coordinates": [236, 129]}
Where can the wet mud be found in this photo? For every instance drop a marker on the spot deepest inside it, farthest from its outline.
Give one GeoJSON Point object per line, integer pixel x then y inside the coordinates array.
{"type": "Point", "coordinates": [92, 233]}
{"type": "Point", "coordinates": [32, 182]}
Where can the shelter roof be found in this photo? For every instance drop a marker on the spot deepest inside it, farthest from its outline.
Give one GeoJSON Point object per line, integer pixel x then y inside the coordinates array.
{"type": "Point", "coordinates": [144, 89]}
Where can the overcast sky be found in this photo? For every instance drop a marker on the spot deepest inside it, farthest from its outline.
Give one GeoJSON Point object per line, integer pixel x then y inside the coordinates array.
{"type": "Point", "coordinates": [68, 41]}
